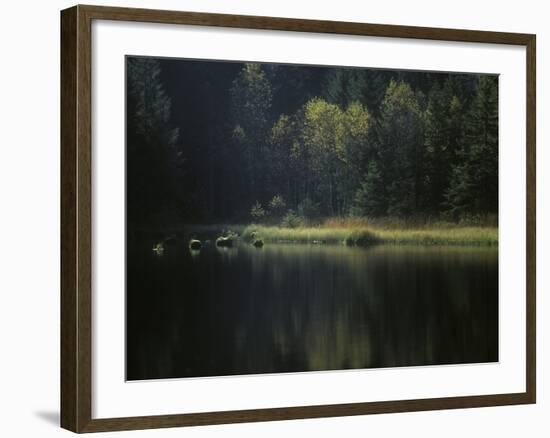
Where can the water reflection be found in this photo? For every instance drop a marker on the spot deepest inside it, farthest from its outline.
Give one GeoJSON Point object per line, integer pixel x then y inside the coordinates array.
{"type": "Point", "coordinates": [288, 308]}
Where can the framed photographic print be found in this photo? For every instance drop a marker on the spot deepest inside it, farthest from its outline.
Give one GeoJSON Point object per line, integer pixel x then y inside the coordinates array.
{"type": "Point", "coordinates": [268, 218]}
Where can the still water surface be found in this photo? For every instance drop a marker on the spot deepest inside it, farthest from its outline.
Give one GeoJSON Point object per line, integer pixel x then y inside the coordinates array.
{"type": "Point", "coordinates": [292, 308]}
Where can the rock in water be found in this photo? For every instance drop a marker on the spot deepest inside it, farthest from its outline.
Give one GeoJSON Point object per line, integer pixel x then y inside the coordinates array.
{"type": "Point", "coordinates": [258, 243]}
{"type": "Point", "coordinates": [195, 244]}
{"type": "Point", "coordinates": [225, 242]}
{"type": "Point", "coordinates": [158, 249]}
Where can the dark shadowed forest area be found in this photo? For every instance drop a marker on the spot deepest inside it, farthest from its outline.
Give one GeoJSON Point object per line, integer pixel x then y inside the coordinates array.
{"type": "Point", "coordinates": [228, 142]}
{"type": "Point", "coordinates": [285, 218]}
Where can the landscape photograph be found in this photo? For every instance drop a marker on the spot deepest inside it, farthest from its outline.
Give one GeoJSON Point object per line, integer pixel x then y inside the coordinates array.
{"type": "Point", "coordinates": [285, 218]}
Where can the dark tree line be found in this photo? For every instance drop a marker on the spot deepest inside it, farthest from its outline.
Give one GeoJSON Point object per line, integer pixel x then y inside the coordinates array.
{"type": "Point", "coordinates": [208, 141]}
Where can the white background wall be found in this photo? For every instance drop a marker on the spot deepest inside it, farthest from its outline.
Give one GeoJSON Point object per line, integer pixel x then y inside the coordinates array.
{"type": "Point", "coordinates": [29, 216]}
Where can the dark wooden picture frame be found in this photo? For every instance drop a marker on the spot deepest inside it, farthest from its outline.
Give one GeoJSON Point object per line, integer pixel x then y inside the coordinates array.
{"type": "Point", "coordinates": [76, 218]}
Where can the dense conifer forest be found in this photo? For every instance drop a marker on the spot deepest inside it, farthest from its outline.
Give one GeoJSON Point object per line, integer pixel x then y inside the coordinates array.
{"type": "Point", "coordinates": [227, 142]}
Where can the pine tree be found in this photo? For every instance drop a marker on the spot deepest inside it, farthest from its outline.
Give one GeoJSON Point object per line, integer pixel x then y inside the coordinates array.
{"type": "Point", "coordinates": [400, 134]}
{"type": "Point", "coordinates": [444, 136]}
{"type": "Point", "coordinates": [370, 197]}
{"type": "Point", "coordinates": [251, 96]}
{"type": "Point", "coordinates": [154, 161]}
{"type": "Point", "coordinates": [366, 86]}
{"type": "Point", "coordinates": [474, 184]}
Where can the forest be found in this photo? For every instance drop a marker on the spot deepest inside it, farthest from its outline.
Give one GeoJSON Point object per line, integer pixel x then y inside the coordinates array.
{"type": "Point", "coordinates": [293, 218]}
{"type": "Point", "coordinates": [288, 145]}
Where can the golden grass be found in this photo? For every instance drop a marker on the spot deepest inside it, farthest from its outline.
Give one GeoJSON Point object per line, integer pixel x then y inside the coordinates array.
{"type": "Point", "coordinates": [360, 231]}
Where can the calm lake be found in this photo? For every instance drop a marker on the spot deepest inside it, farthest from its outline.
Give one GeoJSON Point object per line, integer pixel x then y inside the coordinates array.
{"type": "Point", "coordinates": [293, 308]}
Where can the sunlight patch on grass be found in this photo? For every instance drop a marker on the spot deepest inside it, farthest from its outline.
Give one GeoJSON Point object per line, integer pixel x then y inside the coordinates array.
{"type": "Point", "coordinates": [373, 234]}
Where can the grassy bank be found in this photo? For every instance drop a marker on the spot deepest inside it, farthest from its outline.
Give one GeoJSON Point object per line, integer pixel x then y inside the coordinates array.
{"type": "Point", "coordinates": [362, 232]}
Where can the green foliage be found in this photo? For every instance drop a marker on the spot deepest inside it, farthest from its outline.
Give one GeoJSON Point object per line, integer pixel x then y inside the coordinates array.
{"type": "Point", "coordinates": [154, 160]}
{"type": "Point", "coordinates": [474, 220]}
{"type": "Point", "coordinates": [324, 130]}
{"type": "Point", "coordinates": [323, 137]}
{"type": "Point", "coordinates": [357, 149]}
{"type": "Point", "coordinates": [251, 97]}
{"type": "Point", "coordinates": [413, 154]}
{"type": "Point", "coordinates": [345, 86]}
{"type": "Point", "coordinates": [401, 138]}
{"type": "Point", "coordinates": [474, 181]}
{"type": "Point", "coordinates": [370, 198]}
{"type": "Point", "coordinates": [291, 220]}
{"type": "Point", "coordinates": [361, 237]}
{"type": "Point", "coordinates": [283, 132]}
{"type": "Point", "coordinates": [336, 140]}
{"type": "Point", "coordinates": [308, 209]}
{"type": "Point", "coordinates": [277, 206]}
{"type": "Point", "coordinates": [151, 104]}
{"type": "Point", "coordinates": [444, 140]}
{"type": "Point", "coordinates": [429, 234]}
{"type": "Point", "coordinates": [372, 143]}
{"type": "Point", "coordinates": [290, 170]}
{"type": "Point", "coordinates": [460, 194]}
{"type": "Point", "coordinates": [238, 134]}
{"type": "Point", "coordinates": [257, 212]}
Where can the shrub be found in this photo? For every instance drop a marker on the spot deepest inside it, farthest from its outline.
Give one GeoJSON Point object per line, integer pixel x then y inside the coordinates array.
{"type": "Point", "coordinates": [291, 220]}
{"type": "Point", "coordinates": [361, 238]}
{"type": "Point", "coordinates": [277, 206]}
{"type": "Point", "coordinates": [257, 212]}
{"type": "Point", "coordinates": [239, 134]}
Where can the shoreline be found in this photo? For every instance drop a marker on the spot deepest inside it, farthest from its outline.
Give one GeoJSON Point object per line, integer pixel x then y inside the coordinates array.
{"type": "Point", "coordinates": [365, 236]}
{"type": "Point", "coordinates": [354, 234]}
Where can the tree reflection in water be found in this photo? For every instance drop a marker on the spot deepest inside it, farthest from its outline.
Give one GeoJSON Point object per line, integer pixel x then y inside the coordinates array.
{"type": "Point", "coordinates": [293, 308]}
